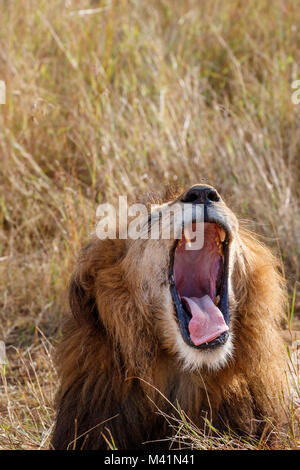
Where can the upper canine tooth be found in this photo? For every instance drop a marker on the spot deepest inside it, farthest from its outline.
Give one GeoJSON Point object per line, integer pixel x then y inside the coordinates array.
{"type": "Point", "coordinates": [188, 244]}
{"type": "Point", "coordinates": [221, 233]}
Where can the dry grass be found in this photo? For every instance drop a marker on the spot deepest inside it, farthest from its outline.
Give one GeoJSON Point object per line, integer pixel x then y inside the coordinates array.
{"type": "Point", "coordinates": [119, 101]}
{"type": "Point", "coordinates": [187, 436]}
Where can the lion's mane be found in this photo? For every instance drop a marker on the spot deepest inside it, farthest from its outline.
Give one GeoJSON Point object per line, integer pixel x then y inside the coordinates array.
{"type": "Point", "coordinates": [114, 376]}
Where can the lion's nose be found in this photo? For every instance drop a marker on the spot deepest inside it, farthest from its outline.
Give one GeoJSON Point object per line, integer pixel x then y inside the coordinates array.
{"type": "Point", "coordinates": [201, 195]}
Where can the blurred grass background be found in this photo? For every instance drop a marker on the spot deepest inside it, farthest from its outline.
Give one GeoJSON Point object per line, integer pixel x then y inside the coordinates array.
{"type": "Point", "coordinates": [120, 97]}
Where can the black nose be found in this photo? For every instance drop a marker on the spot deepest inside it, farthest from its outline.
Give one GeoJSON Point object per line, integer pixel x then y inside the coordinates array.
{"type": "Point", "coordinates": [201, 195]}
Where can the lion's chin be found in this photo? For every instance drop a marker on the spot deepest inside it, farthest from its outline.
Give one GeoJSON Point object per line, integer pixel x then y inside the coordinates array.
{"type": "Point", "coordinates": [211, 359]}
{"type": "Point", "coordinates": [189, 358]}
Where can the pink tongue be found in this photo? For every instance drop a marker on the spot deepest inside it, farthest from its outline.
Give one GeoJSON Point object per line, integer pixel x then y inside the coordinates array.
{"type": "Point", "coordinates": [207, 321]}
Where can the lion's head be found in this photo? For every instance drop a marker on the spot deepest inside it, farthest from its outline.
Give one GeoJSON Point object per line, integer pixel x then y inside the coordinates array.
{"type": "Point", "coordinates": [204, 301]}
{"type": "Point", "coordinates": [189, 287]}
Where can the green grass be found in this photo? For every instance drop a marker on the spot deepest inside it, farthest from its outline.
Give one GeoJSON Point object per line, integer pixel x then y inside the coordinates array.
{"type": "Point", "coordinates": [121, 101]}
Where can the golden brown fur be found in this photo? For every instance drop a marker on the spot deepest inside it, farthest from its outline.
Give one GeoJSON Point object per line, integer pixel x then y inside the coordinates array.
{"type": "Point", "coordinates": [113, 338]}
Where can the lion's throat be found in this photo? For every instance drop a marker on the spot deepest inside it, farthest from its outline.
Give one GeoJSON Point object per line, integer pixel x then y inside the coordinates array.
{"type": "Point", "coordinates": [207, 322]}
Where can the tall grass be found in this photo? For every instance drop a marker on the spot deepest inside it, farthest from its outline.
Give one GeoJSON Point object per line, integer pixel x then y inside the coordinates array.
{"type": "Point", "coordinates": [118, 97]}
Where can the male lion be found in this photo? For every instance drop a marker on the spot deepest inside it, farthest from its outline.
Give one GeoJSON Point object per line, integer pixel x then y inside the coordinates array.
{"type": "Point", "coordinates": [154, 324]}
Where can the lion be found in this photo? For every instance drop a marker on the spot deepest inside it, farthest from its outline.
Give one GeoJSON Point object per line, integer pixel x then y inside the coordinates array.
{"type": "Point", "coordinates": [154, 324]}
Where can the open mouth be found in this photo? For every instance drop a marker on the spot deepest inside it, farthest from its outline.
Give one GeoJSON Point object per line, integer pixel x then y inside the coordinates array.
{"type": "Point", "coordinates": [199, 287]}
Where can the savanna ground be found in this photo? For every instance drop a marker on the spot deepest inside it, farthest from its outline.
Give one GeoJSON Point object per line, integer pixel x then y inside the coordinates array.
{"type": "Point", "coordinates": [121, 99]}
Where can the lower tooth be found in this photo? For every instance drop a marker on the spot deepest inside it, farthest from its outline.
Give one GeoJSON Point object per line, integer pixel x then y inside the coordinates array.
{"type": "Point", "coordinates": [217, 300]}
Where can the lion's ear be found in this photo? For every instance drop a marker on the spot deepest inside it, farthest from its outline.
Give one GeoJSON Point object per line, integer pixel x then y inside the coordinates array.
{"type": "Point", "coordinates": [81, 298]}
{"type": "Point", "coordinates": [95, 257]}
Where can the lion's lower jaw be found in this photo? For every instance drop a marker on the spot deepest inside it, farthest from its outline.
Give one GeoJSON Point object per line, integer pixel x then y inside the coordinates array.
{"type": "Point", "coordinates": [195, 359]}
{"type": "Point", "coordinates": [191, 359]}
